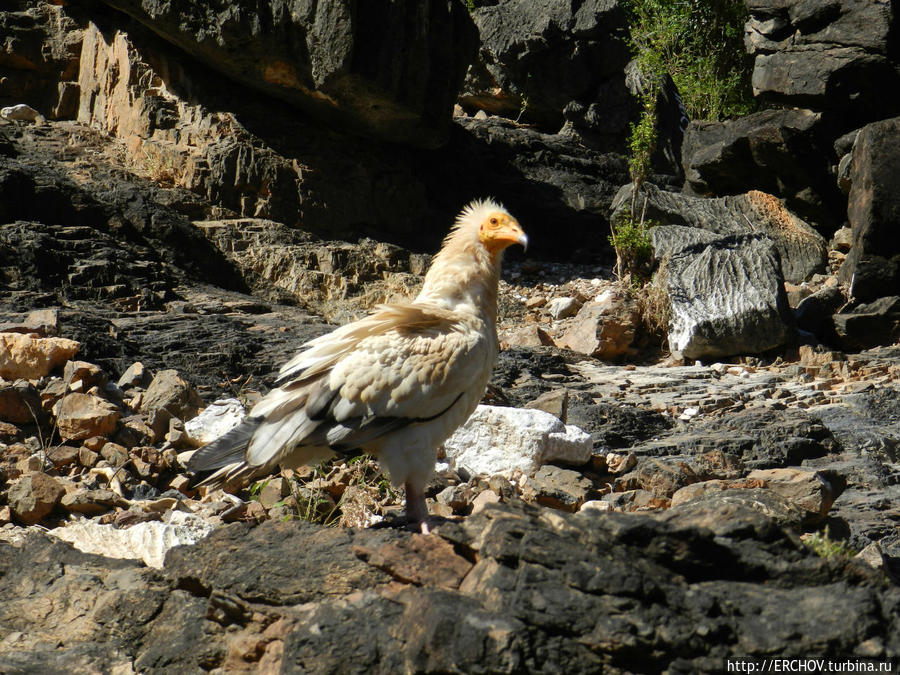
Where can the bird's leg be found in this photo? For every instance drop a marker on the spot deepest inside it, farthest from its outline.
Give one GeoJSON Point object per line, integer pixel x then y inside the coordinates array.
{"type": "Point", "coordinates": [416, 509]}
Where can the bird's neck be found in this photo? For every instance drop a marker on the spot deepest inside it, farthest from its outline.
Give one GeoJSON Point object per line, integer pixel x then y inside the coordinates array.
{"type": "Point", "coordinates": [465, 277]}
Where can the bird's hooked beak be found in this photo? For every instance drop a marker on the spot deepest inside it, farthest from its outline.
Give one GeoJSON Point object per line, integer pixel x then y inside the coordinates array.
{"type": "Point", "coordinates": [500, 231]}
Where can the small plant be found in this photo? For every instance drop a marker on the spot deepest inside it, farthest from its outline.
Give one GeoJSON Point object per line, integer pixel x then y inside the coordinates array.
{"type": "Point", "coordinates": [824, 546]}
{"type": "Point", "coordinates": [642, 142]}
{"type": "Point", "coordinates": [630, 238]}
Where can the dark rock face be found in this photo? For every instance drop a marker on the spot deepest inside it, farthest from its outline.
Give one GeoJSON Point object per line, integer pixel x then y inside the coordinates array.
{"type": "Point", "coordinates": [552, 64]}
{"type": "Point", "coordinates": [783, 152]}
{"type": "Point", "coordinates": [550, 180]}
{"type": "Point", "coordinates": [873, 263]}
{"type": "Point", "coordinates": [828, 56]}
{"type": "Point", "coordinates": [391, 70]}
{"type": "Point", "coordinates": [868, 325]}
{"type": "Point", "coordinates": [42, 49]}
{"type": "Point", "coordinates": [604, 591]}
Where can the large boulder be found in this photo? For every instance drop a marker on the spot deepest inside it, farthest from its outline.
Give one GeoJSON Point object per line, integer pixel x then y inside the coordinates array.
{"type": "Point", "coordinates": [727, 297]}
{"type": "Point", "coordinates": [782, 152]}
{"type": "Point", "coordinates": [872, 266]}
{"type": "Point", "coordinates": [834, 55]}
{"type": "Point", "coordinates": [553, 63]}
{"type": "Point", "coordinates": [391, 70]}
{"type": "Point", "coordinates": [802, 250]}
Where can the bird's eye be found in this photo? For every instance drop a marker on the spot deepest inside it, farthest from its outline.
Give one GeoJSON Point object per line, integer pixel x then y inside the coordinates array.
{"type": "Point", "coordinates": [494, 222]}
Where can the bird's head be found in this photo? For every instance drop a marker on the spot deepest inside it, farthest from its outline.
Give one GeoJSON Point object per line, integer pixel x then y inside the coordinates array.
{"type": "Point", "coordinates": [496, 228]}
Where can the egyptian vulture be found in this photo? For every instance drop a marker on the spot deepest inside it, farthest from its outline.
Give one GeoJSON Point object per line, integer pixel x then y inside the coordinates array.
{"type": "Point", "coordinates": [395, 384]}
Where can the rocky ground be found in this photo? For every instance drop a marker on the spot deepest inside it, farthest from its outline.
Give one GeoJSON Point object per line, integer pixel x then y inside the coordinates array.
{"type": "Point", "coordinates": [670, 536]}
{"type": "Point", "coordinates": [188, 196]}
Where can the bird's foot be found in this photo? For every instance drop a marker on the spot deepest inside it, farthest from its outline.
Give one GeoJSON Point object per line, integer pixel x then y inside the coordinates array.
{"type": "Point", "coordinates": [416, 509]}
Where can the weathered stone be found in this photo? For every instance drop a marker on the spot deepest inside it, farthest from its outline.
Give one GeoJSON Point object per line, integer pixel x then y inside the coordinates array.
{"type": "Point", "coordinates": [62, 455]}
{"type": "Point", "coordinates": [531, 335]}
{"type": "Point", "coordinates": [43, 322]}
{"type": "Point", "coordinates": [80, 416]}
{"type": "Point", "coordinates": [149, 541]}
{"type": "Point", "coordinates": [553, 63]}
{"type": "Point", "coordinates": [32, 358]}
{"type": "Point", "coordinates": [216, 420]}
{"type": "Point", "coordinates": [563, 308]}
{"type": "Point", "coordinates": [34, 497]}
{"type": "Point", "coordinates": [91, 502]}
{"type": "Point", "coordinates": [20, 403]}
{"type": "Point", "coordinates": [727, 298]}
{"type": "Point", "coordinates": [499, 439]}
{"type": "Point", "coordinates": [558, 488]}
{"type": "Point", "coordinates": [603, 328]}
{"type": "Point", "coordinates": [555, 402]}
{"type": "Point", "coordinates": [419, 560]}
{"type": "Point", "coordinates": [722, 511]}
{"type": "Point", "coordinates": [114, 453]}
{"type": "Point", "coordinates": [170, 392]}
{"type": "Point", "coordinates": [830, 56]}
{"type": "Point", "coordinates": [872, 267]}
{"type": "Point", "coordinates": [338, 62]}
{"type": "Point", "coordinates": [702, 489]}
{"type": "Point", "coordinates": [87, 374]}
{"type": "Point", "coordinates": [136, 375]}
{"type": "Point", "coordinates": [868, 325]}
{"type": "Point", "coordinates": [811, 491]}
{"type": "Point", "coordinates": [801, 249]}
{"type": "Point", "coordinates": [780, 152]}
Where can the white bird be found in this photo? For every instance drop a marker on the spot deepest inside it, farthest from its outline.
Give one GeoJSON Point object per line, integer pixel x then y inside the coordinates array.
{"type": "Point", "coordinates": [395, 384]}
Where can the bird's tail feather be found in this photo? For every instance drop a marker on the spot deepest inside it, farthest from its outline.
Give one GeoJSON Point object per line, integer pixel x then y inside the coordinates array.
{"type": "Point", "coordinates": [227, 449]}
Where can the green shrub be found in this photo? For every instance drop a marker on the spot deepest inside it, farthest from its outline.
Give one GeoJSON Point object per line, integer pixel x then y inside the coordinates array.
{"type": "Point", "coordinates": [824, 546]}
{"type": "Point", "coordinates": [630, 238]}
{"type": "Point", "coordinates": [700, 44]}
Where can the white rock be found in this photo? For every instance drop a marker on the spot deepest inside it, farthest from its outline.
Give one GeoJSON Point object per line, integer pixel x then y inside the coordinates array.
{"type": "Point", "coordinates": [216, 420]}
{"type": "Point", "coordinates": [562, 308]}
{"type": "Point", "coordinates": [688, 414]}
{"type": "Point", "coordinates": [145, 541]}
{"type": "Point", "coordinates": [499, 440]}
{"type": "Point", "coordinates": [20, 113]}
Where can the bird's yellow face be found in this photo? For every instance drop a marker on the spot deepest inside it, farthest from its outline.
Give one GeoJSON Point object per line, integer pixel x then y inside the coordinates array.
{"type": "Point", "coordinates": [499, 231]}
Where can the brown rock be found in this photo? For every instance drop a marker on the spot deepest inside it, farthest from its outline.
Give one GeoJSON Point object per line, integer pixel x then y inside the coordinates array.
{"type": "Point", "coordinates": [43, 322]}
{"type": "Point", "coordinates": [555, 402]}
{"type": "Point", "coordinates": [273, 491]}
{"type": "Point", "coordinates": [62, 455]}
{"type": "Point", "coordinates": [91, 502]}
{"type": "Point", "coordinates": [701, 490]}
{"type": "Point", "coordinates": [114, 453]}
{"type": "Point", "coordinates": [558, 488]}
{"type": "Point", "coordinates": [88, 374]}
{"type": "Point", "coordinates": [663, 477]}
{"type": "Point", "coordinates": [87, 457]}
{"type": "Point", "coordinates": [169, 391]}
{"type": "Point", "coordinates": [526, 336]}
{"type": "Point", "coordinates": [34, 496]}
{"type": "Point", "coordinates": [20, 403]}
{"type": "Point", "coordinates": [31, 357]}
{"type": "Point", "coordinates": [135, 376]}
{"type": "Point", "coordinates": [605, 329]}
{"type": "Point", "coordinates": [423, 560]}
{"type": "Point", "coordinates": [9, 432]}
{"type": "Point", "coordinates": [813, 492]}
{"type": "Point", "coordinates": [80, 416]}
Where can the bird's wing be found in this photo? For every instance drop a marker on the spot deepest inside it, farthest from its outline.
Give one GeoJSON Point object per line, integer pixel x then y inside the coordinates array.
{"type": "Point", "coordinates": [403, 364]}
